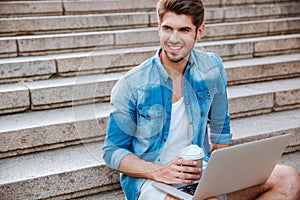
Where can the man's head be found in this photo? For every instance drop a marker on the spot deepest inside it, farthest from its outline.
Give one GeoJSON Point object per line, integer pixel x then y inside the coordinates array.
{"type": "Point", "coordinates": [180, 25]}
{"type": "Point", "coordinates": [193, 8]}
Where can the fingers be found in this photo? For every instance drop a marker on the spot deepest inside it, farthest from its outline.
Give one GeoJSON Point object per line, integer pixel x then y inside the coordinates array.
{"type": "Point", "coordinates": [187, 177]}
{"type": "Point", "coordinates": [187, 166]}
{"type": "Point", "coordinates": [186, 171]}
{"type": "Point", "coordinates": [180, 161]}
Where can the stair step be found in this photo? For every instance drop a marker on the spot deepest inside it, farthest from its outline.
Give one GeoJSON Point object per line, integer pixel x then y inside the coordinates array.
{"type": "Point", "coordinates": [41, 130]}
{"type": "Point", "coordinates": [49, 7]}
{"type": "Point", "coordinates": [72, 91]}
{"type": "Point", "coordinates": [111, 195]}
{"type": "Point", "coordinates": [258, 98]}
{"type": "Point", "coordinates": [75, 7]}
{"type": "Point", "coordinates": [79, 170]}
{"type": "Point", "coordinates": [245, 9]}
{"type": "Point", "coordinates": [262, 69]}
{"type": "Point", "coordinates": [76, 170]}
{"type": "Point", "coordinates": [263, 126]}
{"type": "Point", "coordinates": [14, 98]}
{"type": "Point", "coordinates": [71, 23]}
{"type": "Point", "coordinates": [104, 61]}
{"type": "Point", "coordinates": [91, 41]}
{"type": "Point", "coordinates": [50, 129]}
{"type": "Point", "coordinates": [60, 92]}
{"type": "Point", "coordinates": [43, 67]}
{"type": "Point", "coordinates": [15, 8]}
{"type": "Point", "coordinates": [80, 23]}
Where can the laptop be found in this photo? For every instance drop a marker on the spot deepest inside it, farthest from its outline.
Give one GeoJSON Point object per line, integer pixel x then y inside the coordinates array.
{"type": "Point", "coordinates": [233, 168]}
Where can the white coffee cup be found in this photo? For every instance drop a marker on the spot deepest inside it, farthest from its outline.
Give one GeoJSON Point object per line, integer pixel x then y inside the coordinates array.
{"type": "Point", "coordinates": [193, 152]}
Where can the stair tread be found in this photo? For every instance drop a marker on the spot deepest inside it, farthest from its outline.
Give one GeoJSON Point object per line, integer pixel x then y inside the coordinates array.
{"type": "Point", "coordinates": [78, 157]}
{"type": "Point", "coordinates": [42, 130]}
{"type": "Point", "coordinates": [47, 163]}
{"type": "Point", "coordinates": [265, 124]}
{"type": "Point", "coordinates": [250, 89]}
{"type": "Point", "coordinates": [15, 122]}
{"type": "Point", "coordinates": [237, 91]}
{"type": "Point", "coordinates": [142, 29]}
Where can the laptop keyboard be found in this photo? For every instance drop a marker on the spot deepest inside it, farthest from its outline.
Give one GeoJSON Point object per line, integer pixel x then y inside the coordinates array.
{"type": "Point", "coordinates": [190, 189]}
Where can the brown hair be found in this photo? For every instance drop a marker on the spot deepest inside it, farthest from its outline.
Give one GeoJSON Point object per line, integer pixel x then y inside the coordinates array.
{"type": "Point", "coordinates": [192, 8]}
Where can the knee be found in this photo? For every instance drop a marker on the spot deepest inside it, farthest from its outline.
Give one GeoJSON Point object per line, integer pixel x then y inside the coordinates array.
{"type": "Point", "coordinates": [284, 175]}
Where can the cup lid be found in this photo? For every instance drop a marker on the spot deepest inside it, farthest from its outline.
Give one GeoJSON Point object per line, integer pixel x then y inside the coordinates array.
{"type": "Point", "coordinates": [192, 152]}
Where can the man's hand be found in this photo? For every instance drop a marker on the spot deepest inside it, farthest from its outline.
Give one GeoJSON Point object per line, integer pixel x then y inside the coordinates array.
{"type": "Point", "coordinates": [178, 171]}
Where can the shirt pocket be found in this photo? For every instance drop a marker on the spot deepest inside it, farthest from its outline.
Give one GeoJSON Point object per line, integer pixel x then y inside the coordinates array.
{"type": "Point", "coordinates": [205, 98]}
{"type": "Point", "coordinates": [150, 122]}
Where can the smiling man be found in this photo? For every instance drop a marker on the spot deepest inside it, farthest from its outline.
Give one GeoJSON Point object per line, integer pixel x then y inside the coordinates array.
{"type": "Point", "coordinates": [167, 103]}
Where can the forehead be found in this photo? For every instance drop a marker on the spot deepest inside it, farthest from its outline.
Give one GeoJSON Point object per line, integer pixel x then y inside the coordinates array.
{"type": "Point", "coordinates": [175, 20]}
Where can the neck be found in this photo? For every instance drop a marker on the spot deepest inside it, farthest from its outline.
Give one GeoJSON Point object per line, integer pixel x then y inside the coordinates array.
{"type": "Point", "coordinates": [174, 69]}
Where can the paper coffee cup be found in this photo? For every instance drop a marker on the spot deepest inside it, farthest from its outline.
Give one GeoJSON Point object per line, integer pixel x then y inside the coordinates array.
{"type": "Point", "coordinates": [193, 152]}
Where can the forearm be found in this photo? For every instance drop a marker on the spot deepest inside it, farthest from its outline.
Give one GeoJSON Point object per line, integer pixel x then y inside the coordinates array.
{"type": "Point", "coordinates": [178, 171]}
{"type": "Point", "coordinates": [132, 165]}
{"type": "Point", "coordinates": [218, 146]}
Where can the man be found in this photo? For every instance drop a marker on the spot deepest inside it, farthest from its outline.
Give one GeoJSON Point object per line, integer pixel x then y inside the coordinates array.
{"type": "Point", "coordinates": [167, 103]}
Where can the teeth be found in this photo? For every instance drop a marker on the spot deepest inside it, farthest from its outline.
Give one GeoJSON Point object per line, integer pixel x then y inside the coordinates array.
{"type": "Point", "coordinates": [174, 47]}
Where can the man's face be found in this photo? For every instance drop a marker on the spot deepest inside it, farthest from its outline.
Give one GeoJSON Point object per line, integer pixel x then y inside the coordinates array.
{"type": "Point", "coordinates": [177, 36]}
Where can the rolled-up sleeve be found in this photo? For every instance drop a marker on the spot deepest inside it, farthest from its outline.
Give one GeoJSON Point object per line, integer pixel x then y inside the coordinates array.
{"type": "Point", "coordinates": [219, 114]}
{"type": "Point", "coordinates": [121, 125]}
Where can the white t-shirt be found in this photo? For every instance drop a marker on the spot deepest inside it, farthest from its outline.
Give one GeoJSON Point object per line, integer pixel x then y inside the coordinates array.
{"type": "Point", "coordinates": [177, 139]}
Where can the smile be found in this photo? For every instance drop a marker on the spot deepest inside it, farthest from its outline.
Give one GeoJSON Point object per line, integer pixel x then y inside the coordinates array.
{"type": "Point", "coordinates": [175, 47]}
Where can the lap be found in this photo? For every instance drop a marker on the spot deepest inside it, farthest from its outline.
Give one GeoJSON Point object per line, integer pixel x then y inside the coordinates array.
{"type": "Point", "coordinates": [279, 181]}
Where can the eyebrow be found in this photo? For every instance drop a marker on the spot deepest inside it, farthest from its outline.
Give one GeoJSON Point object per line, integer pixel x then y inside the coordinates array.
{"type": "Point", "coordinates": [181, 28]}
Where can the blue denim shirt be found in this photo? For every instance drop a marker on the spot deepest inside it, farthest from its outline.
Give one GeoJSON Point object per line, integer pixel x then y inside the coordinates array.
{"type": "Point", "coordinates": [141, 111]}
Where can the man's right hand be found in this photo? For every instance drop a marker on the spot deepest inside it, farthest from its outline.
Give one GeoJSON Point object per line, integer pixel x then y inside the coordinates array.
{"type": "Point", "coordinates": [178, 171]}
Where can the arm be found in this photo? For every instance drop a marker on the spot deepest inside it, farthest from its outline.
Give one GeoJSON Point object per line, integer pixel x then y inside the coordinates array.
{"type": "Point", "coordinates": [219, 114]}
{"type": "Point", "coordinates": [178, 171]}
{"type": "Point", "coordinates": [219, 146]}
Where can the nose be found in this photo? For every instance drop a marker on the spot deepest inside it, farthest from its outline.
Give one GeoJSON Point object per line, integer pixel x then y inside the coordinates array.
{"type": "Point", "coordinates": [174, 37]}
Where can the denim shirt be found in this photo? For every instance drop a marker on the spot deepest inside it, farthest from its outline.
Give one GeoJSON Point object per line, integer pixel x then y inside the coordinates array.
{"type": "Point", "coordinates": [141, 112]}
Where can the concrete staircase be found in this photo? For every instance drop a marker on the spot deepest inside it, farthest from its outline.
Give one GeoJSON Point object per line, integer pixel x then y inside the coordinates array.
{"type": "Point", "coordinates": [60, 59]}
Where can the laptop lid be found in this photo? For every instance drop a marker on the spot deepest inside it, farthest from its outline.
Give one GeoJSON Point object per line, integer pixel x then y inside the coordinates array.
{"type": "Point", "coordinates": [235, 168]}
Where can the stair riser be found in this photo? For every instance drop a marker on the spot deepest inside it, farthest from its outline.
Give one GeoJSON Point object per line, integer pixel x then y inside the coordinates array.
{"type": "Point", "coordinates": [64, 186]}
{"type": "Point", "coordinates": [122, 60]}
{"type": "Point", "coordinates": [61, 24]}
{"type": "Point", "coordinates": [72, 91]}
{"type": "Point", "coordinates": [144, 37]}
{"type": "Point", "coordinates": [74, 183]}
{"type": "Point", "coordinates": [239, 106]}
{"type": "Point", "coordinates": [262, 72]}
{"type": "Point", "coordinates": [80, 7]}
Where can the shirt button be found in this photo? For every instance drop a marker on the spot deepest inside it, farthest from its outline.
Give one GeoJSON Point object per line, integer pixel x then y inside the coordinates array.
{"type": "Point", "coordinates": [208, 95]}
{"type": "Point", "coordinates": [187, 103]}
{"type": "Point", "coordinates": [191, 122]}
{"type": "Point", "coordinates": [169, 99]}
{"type": "Point", "coordinates": [165, 140]}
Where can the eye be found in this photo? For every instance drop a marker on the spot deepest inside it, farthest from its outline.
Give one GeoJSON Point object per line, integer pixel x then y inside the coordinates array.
{"type": "Point", "coordinates": [185, 30]}
{"type": "Point", "coordinates": [167, 28]}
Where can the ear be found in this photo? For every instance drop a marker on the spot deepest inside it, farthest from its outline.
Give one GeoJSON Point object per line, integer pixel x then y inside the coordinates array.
{"type": "Point", "coordinates": [200, 31]}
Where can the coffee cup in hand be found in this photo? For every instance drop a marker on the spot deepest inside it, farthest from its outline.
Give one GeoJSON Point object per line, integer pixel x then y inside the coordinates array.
{"type": "Point", "coordinates": [193, 152]}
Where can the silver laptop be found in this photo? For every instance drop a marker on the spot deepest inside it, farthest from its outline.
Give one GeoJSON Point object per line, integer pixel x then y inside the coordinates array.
{"type": "Point", "coordinates": [233, 168]}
